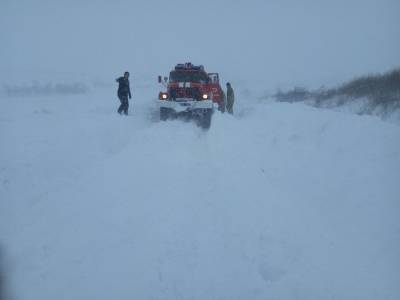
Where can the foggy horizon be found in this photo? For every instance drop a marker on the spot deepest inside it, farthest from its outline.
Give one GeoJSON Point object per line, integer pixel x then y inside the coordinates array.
{"type": "Point", "coordinates": [276, 43]}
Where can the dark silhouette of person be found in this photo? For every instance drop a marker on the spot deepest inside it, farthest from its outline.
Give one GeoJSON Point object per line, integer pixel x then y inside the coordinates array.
{"type": "Point", "coordinates": [230, 98]}
{"type": "Point", "coordinates": [124, 91]}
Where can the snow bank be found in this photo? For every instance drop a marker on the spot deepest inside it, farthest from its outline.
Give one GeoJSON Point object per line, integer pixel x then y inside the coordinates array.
{"type": "Point", "coordinates": [278, 202]}
{"type": "Point", "coordinates": [360, 106]}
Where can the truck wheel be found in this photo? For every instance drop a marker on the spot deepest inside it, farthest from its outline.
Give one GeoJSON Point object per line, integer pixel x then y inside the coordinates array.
{"type": "Point", "coordinates": [164, 113]}
{"type": "Point", "coordinates": [205, 121]}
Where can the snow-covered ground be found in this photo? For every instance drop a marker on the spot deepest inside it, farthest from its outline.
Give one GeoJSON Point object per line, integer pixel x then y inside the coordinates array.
{"type": "Point", "coordinates": [281, 201]}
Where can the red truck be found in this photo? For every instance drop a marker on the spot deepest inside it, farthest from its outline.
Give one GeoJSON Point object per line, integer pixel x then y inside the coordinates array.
{"type": "Point", "coordinates": [190, 91]}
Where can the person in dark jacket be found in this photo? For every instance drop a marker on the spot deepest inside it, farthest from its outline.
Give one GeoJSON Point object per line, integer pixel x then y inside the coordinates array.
{"type": "Point", "coordinates": [124, 92]}
{"type": "Point", "coordinates": [230, 98]}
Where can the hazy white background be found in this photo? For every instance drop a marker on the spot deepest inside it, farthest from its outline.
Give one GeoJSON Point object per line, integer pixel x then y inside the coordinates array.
{"type": "Point", "coordinates": [279, 201]}
{"type": "Point", "coordinates": [275, 43]}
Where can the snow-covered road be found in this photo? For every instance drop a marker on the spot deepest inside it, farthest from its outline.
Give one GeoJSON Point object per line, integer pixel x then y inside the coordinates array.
{"type": "Point", "coordinates": [280, 201]}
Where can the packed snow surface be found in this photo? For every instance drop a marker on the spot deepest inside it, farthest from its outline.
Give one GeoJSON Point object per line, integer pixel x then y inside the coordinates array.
{"type": "Point", "coordinates": [279, 201]}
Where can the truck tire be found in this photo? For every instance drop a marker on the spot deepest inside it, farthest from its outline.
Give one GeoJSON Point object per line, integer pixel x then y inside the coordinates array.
{"type": "Point", "coordinates": [165, 113]}
{"type": "Point", "coordinates": [205, 120]}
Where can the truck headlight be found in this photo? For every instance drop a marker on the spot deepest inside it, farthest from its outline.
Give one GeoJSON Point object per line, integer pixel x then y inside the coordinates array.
{"type": "Point", "coordinates": [163, 96]}
{"type": "Point", "coordinates": [204, 96]}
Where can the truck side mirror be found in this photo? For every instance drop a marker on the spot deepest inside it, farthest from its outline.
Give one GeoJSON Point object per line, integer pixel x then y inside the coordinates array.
{"type": "Point", "coordinates": [165, 79]}
{"type": "Point", "coordinates": [159, 78]}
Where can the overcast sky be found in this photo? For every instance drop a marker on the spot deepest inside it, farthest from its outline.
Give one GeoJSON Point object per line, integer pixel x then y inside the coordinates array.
{"type": "Point", "coordinates": [279, 42]}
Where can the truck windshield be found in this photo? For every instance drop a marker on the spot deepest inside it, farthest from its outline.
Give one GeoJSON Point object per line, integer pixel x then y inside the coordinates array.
{"type": "Point", "coordinates": [187, 76]}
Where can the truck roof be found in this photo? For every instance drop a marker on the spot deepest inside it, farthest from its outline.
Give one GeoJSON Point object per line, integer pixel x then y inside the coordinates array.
{"type": "Point", "coordinates": [188, 67]}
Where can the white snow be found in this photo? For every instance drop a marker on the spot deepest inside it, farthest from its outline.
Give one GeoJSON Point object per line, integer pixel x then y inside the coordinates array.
{"type": "Point", "coordinates": [280, 201]}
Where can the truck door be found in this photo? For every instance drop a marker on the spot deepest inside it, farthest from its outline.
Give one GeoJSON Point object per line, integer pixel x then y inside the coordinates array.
{"type": "Point", "coordinates": [215, 87]}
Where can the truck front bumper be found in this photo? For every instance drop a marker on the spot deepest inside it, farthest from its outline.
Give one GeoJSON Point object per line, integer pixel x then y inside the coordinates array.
{"type": "Point", "coordinates": [182, 105]}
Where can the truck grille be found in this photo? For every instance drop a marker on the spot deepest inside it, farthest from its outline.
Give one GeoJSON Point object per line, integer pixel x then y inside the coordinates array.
{"type": "Point", "coordinates": [177, 93]}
